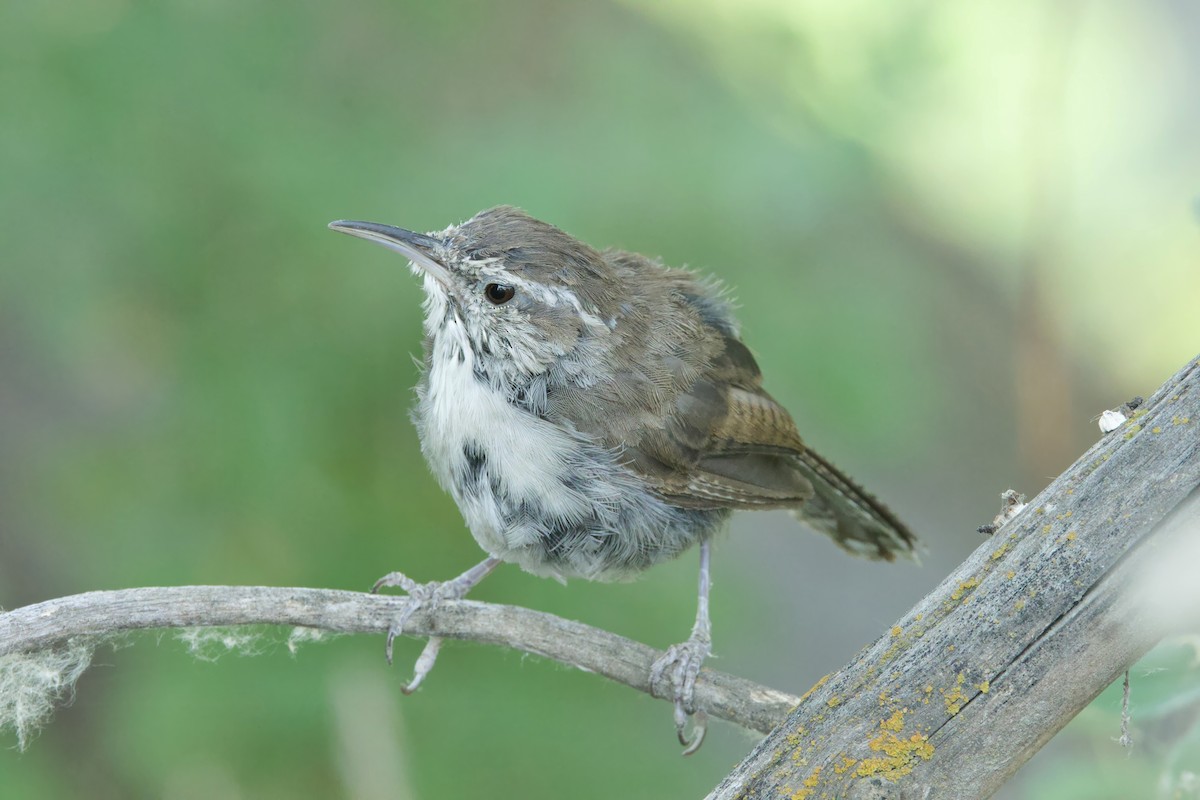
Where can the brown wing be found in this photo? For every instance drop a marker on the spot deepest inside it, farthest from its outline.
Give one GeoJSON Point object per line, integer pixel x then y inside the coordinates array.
{"type": "Point", "coordinates": [728, 444]}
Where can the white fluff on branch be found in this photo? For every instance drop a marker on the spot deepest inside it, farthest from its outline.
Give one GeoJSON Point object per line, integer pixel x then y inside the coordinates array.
{"type": "Point", "coordinates": [31, 684]}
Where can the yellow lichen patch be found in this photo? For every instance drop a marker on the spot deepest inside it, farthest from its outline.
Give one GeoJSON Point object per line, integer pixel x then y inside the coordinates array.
{"type": "Point", "coordinates": [815, 686]}
{"type": "Point", "coordinates": [1179, 419]}
{"type": "Point", "coordinates": [844, 765]}
{"type": "Point", "coordinates": [900, 641]}
{"type": "Point", "coordinates": [1045, 529]}
{"type": "Point", "coordinates": [1132, 431]}
{"type": "Point", "coordinates": [1000, 552]}
{"type": "Point", "coordinates": [985, 687]}
{"type": "Point", "coordinates": [899, 755]}
{"type": "Point", "coordinates": [895, 722]}
{"type": "Point", "coordinates": [963, 588]}
{"type": "Point", "coordinates": [1010, 574]}
{"type": "Point", "coordinates": [811, 781]}
{"type": "Point", "coordinates": [1065, 516]}
{"type": "Point", "coordinates": [834, 701]}
{"type": "Point", "coordinates": [955, 697]}
{"type": "Point", "coordinates": [1156, 429]}
{"type": "Point", "coordinates": [1019, 605]}
{"type": "Point", "coordinates": [1071, 536]}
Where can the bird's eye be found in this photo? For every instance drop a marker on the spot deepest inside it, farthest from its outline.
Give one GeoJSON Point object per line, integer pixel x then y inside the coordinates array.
{"type": "Point", "coordinates": [499, 293]}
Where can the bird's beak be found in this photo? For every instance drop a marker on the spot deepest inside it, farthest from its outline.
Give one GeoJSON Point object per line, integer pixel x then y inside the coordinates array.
{"type": "Point", "coordinates": [416, 247]}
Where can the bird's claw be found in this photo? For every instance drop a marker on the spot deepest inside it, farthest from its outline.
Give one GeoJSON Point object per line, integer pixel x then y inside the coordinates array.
{"type": "Point", "coordinates": [423, 665]}
{"type": "Point", "coordinates": [681, 665]}
{"type": "Point", "coordinates": [421, 596]}
{"type": "Point", "coordinates": [428, 596]}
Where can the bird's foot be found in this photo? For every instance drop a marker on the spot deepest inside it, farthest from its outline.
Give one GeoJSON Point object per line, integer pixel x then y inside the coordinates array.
{"type": "Point", "coordinates": [680, 666]}
{"type": "Point", "coordinates": [421, 596]}
{"type": "Point", "coordinates": [427, 596]}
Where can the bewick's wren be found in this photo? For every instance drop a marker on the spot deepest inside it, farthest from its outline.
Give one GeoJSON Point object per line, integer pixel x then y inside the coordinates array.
{"type": "Point", "coordinates": [594, 413]}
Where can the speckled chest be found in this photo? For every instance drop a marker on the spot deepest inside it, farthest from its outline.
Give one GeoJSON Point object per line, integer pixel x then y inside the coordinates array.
{"type": "Point", "coordinates": [535, 493]}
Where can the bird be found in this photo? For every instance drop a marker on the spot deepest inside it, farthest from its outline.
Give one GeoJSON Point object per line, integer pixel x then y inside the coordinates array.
{"type": "Point", "coordinates": [595, 412]}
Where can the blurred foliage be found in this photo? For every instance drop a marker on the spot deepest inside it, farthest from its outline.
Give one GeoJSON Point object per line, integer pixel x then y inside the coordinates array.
{"type": "Point", "coordinates": [1162, 759]}
{"type": "Point", "coordinates": [956, 232]}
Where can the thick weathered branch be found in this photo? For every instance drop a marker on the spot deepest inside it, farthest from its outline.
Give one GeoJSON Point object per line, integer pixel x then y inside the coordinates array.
{"type": "Point", "coordinates": [988, 667]}
{"type": "Point", "coordinates": [96, 615]}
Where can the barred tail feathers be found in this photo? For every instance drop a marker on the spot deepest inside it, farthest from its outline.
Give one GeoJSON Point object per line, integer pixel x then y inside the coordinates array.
{"type": "Point", "coordinates": [851, 516]}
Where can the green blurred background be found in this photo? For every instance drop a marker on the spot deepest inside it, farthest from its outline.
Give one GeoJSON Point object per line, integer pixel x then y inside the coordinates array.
{"type": "Point", "coordinates": [956, 231]}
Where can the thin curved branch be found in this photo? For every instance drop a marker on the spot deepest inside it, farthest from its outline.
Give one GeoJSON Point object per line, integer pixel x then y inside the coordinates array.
{"type": "Point", "coordinates": [102, 614]}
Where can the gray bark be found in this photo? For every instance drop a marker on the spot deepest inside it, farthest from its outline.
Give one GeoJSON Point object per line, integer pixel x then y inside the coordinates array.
{"type": "Point", "coordinates": [1026, 632]}
{"type": "Point", "coordinates": [100, 615]}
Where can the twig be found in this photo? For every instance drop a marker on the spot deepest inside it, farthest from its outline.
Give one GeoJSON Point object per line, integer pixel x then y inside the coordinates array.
{"type": "Point", "coordinates": [1126, 739]}
{"type": "Point", "coordinates": [98, 615]}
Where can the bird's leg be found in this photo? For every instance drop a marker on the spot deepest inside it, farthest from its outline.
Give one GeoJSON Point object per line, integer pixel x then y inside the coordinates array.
{"type": "Point", "coordinates": [428, 595]}
{"type": "Point", "coordinates": [683, 661]}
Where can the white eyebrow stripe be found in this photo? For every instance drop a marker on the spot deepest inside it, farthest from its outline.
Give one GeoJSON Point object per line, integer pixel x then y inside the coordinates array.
{"type": "Point", "coordinates": [550, 295]}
